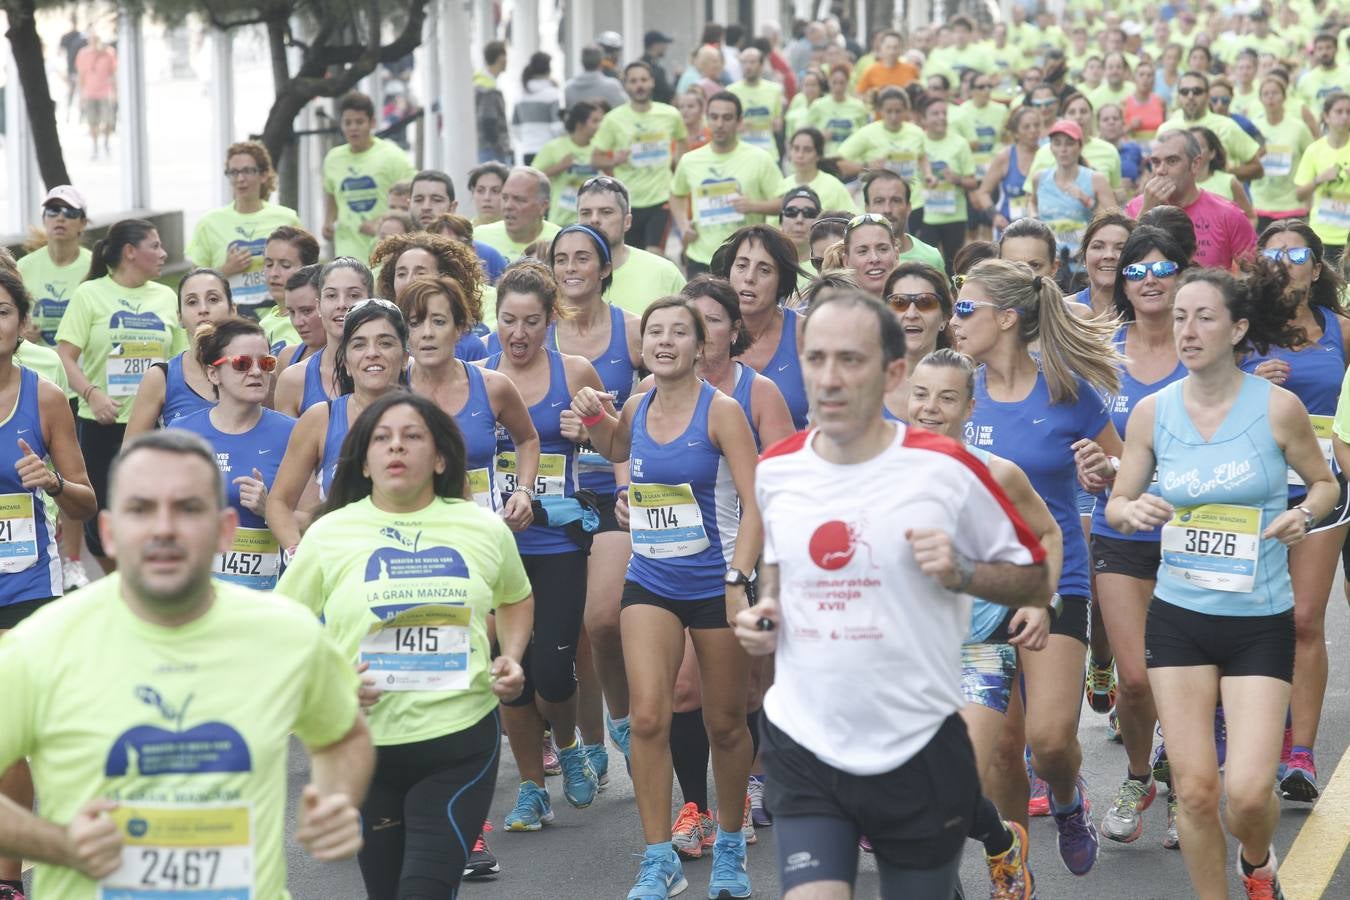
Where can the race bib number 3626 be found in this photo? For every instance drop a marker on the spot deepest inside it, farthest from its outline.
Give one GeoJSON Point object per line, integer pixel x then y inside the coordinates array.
{"type": "Point", "coordinates": [182, 852]}
{"type": "Point", "coordinates": [1216, 547]}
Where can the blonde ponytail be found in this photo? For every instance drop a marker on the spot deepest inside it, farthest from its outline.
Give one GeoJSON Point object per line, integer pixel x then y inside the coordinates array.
{"type": "Point", "coordinates": [1071, 347]}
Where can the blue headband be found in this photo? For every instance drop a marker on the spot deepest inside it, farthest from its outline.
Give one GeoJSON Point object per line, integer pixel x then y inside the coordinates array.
{"type": "Point", "coordinates": [591, 233]}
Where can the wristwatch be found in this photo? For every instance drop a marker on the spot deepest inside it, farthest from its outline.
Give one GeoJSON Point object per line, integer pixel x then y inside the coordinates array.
{"type": "Point", "coordinates": [736, 578]}
{"type": "Point", "coordinates": [288, 555]}
{"type": "Point", "coordinates": [1309, 520]}
{"type": "Point", "coordinates": [965, 567]}
{"type": "Point", "coordinates": [60, 484]}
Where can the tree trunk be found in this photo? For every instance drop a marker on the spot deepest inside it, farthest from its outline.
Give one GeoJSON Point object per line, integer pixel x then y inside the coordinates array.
{"type": "Point", "coordinates": [288, 173]}
{"type": "Point", "coordinates": [37, 95]}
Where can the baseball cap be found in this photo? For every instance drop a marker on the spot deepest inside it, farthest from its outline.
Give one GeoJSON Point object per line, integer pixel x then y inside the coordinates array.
{"type": "Point", "coordinates": [1064, 126]}
{"type": "Point", "coordinates": [802, 192]}
{"type": "Point", "coordinates": [656, 37]}
{"type": "Point", "coordinates": [610, 40]}
{"type": "Point", "coordinates": [67, 194]}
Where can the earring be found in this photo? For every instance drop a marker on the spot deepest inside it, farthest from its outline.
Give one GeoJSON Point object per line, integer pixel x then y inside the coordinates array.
{"type": "Point", "coordinates": [942, 327]}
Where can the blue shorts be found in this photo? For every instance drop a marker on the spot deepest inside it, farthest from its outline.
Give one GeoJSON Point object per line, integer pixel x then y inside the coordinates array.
{"type": "Point", "coordinates": [987, 672]}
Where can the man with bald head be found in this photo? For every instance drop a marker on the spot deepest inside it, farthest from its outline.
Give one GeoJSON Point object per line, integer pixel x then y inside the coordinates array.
{"type": "Point", "coordinates": [525, 200]}
{"type": "Point", "coordinates": [763, 103]}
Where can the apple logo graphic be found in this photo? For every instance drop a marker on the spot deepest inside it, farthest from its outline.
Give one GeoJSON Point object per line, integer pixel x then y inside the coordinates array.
{"type": "Point", "coordinates": [136, 320]}
{"type": "Point", "coordinates": [156, 750]}
{"type": "Point", "coordinates": [137, 827]}
{"type": "Point", "coordinates": [432, 562]}
{"type": "Point", "coordinates": [361, 192]}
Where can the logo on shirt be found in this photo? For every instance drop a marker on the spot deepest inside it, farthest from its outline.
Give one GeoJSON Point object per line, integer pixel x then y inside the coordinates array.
{"type": "Point", "coordinates": [147, 750]}
{"type": "Point", "coordinates": [834, 543]}
{"type": "Point", "coordinates": [412, 562]}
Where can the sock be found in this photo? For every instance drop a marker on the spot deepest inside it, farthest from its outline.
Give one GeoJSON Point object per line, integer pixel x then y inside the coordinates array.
{"type": "Point", "coordinates": [1248, 868]}
{"type": "Point", "coordinates": [733, 836]}
{"type": "Point", "coordinates": [987, 827]}
{"type": "Point", "coordinates": [1142, 779]}
{"type": "Point", "coordinates": [1073, 806]}
{"type": "Point", "coordinates": [689, 755]}
{"type": "Point", "coordinates": [1111, 661]}
{"type": "Point", "coordinates": [752, 721]}
{"type": "Point", "coordinates": [665, 848]}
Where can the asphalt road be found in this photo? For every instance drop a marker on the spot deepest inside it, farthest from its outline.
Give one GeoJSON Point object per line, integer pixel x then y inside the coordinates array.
{"type": "Point", "coordinates": [591, 853]}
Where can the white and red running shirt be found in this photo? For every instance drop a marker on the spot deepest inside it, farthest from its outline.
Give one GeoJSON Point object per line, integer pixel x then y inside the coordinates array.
{"type": "Point", "coordinates": [868, 664]}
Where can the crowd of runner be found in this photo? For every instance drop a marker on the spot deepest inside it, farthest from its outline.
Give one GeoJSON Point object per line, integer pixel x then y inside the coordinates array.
{"type": "Point", "coordinates": [842, 428]}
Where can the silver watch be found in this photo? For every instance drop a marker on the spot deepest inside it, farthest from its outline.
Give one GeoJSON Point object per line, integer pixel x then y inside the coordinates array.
{"type": "Point", "coordinates": [965, 567]}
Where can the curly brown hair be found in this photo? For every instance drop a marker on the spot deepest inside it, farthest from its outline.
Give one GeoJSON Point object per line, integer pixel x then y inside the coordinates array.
{"type": "Point", "coordinates": [453, 260]}
{"type": "Point", "coordinates": [262, 158]}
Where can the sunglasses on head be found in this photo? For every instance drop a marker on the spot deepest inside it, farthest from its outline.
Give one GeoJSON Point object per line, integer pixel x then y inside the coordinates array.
{"type": "Point", "coordinates": [1297, 255]}
{"type": "Point", "coordinates": [65, 212]}
{"type": "Point", "coordinates": [964, 309]}
{"type": "Point", "coordinates": [1190, 91]}
{"type": "Point", "coordinates": [926, 301]}
{"type": "Point", "coordinates": [869, 219]}
{"type": "Point", "coordinates": [799, 212]}
{"type": "Point", "coordinates": [1163, 268]}
{"type": "Point", "coordinates": [377, 300]}
{"type": "Point", "coordinates": [244, 362]}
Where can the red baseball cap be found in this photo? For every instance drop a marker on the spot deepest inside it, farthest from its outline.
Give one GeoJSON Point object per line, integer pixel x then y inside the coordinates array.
{"type": "Point", "coordinates": [1064, 126]}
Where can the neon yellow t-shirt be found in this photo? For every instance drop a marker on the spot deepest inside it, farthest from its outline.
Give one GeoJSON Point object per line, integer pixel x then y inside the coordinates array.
{"type": "Point", "coordinates": [643, 278]}
{"type": "Point", "coordinates": [45, 361]}
{"type": "Point", "coordinates": [795, 117]}
{"type": "Point", "coordinates": [562, 209]}
{"type": "Point", "coordinates": [649, 137]}
{"type": "Point", "coordinates": [902, 149]}
{"type": "Point", "coordinates": [983, 124]}
{"type": "Point", "coordinates": [830, 190]}
{"type": "Point", "coordinates": [1100, 155]}
{"type": "Point", "coordinates": [1237, 144]}
{"type": "Point", "coordinates": [278, 328]}
{"type": "Point", "coordinates": [224, 229]}
{"type": "Point", "coordinates": [1317, 84]}
{"type": "Point", "coordinates": [1105, 94]}
{"type": "Point", "coordinates": [187, 728]}
{"type": "Point", "coordinates": [1285, 145]}
{"type": "Point", "coordinates": [51, 287]}
{"type": "Point", "coordinates": [1341, 424]}
{"type": "Point", "coordinates": [921, 252]}
{"type": "Point", "coordinates": [712, 181]}
{"type": "Point", "coordinates": [495, 236]}
{"type": "Point", "coordinates": [360, 183]}
{"type": "Point", "coordinates": [1330, 215]}
{"type": "Point", "coordinates": [410, 594]}
{"type": "Point", "coordinates": [120, 333]}
{"type": "Point", "coordinates": [947, 202]}
{"type": "Point", "coordinates": [761, 105]}
{"type": "Point", "coordinates": [836, 120]}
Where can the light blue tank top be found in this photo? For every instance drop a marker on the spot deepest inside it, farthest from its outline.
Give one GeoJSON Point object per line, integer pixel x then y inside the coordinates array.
{"type": "Point", "coordinates": [740, 392]}
{"type": "Point", "coordinates": [1241, 465]}
{"type": "Point", "coordinates": [179, 397]}
{"type": "Point", "coordinates": [683, 509]}
{"type": "Point", "coordinates": [30, 564]}
{"type": "Point", "coordinates": [1065, 215]}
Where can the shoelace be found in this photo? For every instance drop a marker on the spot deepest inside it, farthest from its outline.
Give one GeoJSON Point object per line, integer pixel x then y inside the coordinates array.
{"type": "Point", "coordinates": [575, 766]}
{"type": "Point", "coordinates": [1259, 888]}
{"type": "Point", "coordinates": [1301, 760]}
{"type": "Point", "coordinates": [689, 819]}
{"type": "Point", "coordinates": [1101, 680]}
{"type": "Point", "coordinates": [650, 872]}
{"type": "Point", "coordinates": [727, 865]}
{"type": "Point", "coordinates": [527, 803]}
{"type": "Point", "coordinates": [1130, 795]}
{"type": "Point", "coordinates": [1003, 878]}
{"type": "Point", "coordinates": [756, 791]}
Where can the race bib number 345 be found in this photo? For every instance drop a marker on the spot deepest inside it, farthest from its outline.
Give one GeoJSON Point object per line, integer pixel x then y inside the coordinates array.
{"type": "Point", "coordinates": [1216, 547]}
{"type": "Point", "coordinates": [182, 852]}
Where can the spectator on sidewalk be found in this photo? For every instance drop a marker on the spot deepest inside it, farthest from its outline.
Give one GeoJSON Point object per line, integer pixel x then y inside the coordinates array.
{"type": "Point", "coordinates": [654, 45]}
{"type": "Point", "coordinates": [535, 119]}
{"type": "Point", "coordinates": [96, 69]}
{"type": "Point", "coordinates": [592, 84]}
{"type": "Point", "coordinates": [494, 137]}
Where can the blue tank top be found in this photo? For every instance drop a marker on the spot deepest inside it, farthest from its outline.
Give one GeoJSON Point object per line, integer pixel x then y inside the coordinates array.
{"type": "Point", "coordinates": [1012, 190]}
{"type": "Point", "coordinates": [1084, 297]}
{"type": "Point", "coordinates": [30, 563]}
{"type": "Point", "coordinates": [298, 352]}
{"type": "Point", "coordinates": [479, 428]}
{"type": "Point", "coordinates": [1132, 390]}
{"type": "Point", "coordinates": [615, 368]}
{"type": "Point", "coordinates": [1065, 215]}
{"type": "Point", "coordinates": [557, 459]}
{"type": "Point", "coordinates": [179, 397]}
{"type": "Point", "coordinates": [785, 370]}
{"type": "Point", "coordinates": [1241, 465]}
{"type": "Point", "coordinates": [1037, 437]}
{"type": "Point", "coordinates": [314, 389]}
{"type": "Point", "coordinates": [470, 348]}
{"type": "Point", "coordinates": [1315, 375]}
{"type": "Point", "coordinates": [683, 509]}
{"type": "Point", "coordinates": [254, 559]}
{"type": "Point", "coordinates": [740, 392]}
{"type": "Point", "coordinates": [332, 442]}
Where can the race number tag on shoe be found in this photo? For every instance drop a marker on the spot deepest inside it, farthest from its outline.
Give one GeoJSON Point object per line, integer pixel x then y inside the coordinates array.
{"type": "Point", "coordinates": [18, 533]}
{"type": "Point", "coordinates": [665, 521]}
{"type": "Point", "coordinates": [420, 648]}
{"type": "Point", "coordinates": [1214, 546]}
{"type": "Point", "coordinates": [183, 852]}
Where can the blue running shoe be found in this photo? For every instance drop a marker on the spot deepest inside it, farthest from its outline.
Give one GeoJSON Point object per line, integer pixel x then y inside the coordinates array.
{"type": "Point", "coordinates": [598, 756]}
{"type": "Point", "coordinates": [579, 782]}
{"type": "Point", "coordinates": [532, 810]}
{"type": "Point", "coordinates": [758, 814]}
{"type": "Point", "coordinates": [619, 735]}
{"type": "Point", "coordinates": [1078, 840]}
{"type": "Point", "coordinates": [661, 875]}
{"type": "Point", "coordinates": [729, 878]}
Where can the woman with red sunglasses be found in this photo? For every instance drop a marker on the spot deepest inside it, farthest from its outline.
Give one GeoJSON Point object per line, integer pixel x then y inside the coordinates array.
{"type": "Point", "coordinates": [180, 386]}
{"type": "Point", "coordinates": [249, 442]}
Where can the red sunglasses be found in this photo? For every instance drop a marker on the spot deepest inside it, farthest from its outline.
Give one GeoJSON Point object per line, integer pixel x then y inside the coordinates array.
{"type": "Point", "coordinates": [244, 362]}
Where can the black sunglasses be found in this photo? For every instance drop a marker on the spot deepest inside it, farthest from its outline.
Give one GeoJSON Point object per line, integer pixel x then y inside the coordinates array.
{"type": "Point", "coordinates": [797, 212]}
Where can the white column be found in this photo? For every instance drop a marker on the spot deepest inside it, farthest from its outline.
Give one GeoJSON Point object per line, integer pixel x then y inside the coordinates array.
{"type": "Point", "coordinates": [222, 102]}
{"type": "Point", "coordinates": [720, 11]}
{"type": "Point", "coordinates": [459, 138]}
{"type": "Point", "coordinates": [860, 31]}
{"type": "Point", "coordinates": [484, 28]}
{"type": "Point", "coordinates": [133, 142]}
{"type": "Point", "coordinates": [769, 11]}
{"type": "Point", "coordinates": [525, 29]}
{"type": "Point", "coordinates": [634, 27]}
{"type": "Point", "coordinates": [580, 32]}
{"type": "Point", "coordinates": [429, 67]}
{"type": "Point", "coordinates": [21, 168]}
{"type": "Point", "coordinates": [801, 9]}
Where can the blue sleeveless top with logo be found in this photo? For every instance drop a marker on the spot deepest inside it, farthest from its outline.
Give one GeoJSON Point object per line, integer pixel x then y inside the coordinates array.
{"type": "Point", "coordinates": [479, 428]}
{"type": "Point", "coordinates": [1226, 491]}
{"type": "Point", "coordinates": [785, 370]}
{"type": "Point", "coordinates": [557, 459]}
{"type": "Point", "coordinates": [683, 508]}
{"type": "Point", "coordinates": [333, 437]}
{"type": "Point", "coordinates": [30, 563]}
{"type": "Point", "coordinates": [740, 392]}
{"type": "Point", "coordinates": [179, 397]}
{"type": "Point", "coordinates": [314, 389]}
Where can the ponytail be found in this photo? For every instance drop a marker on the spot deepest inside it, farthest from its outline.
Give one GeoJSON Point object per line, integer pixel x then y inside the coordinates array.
{"type": "Point", "coordinates": [1071, 348]}
{"type": "Point", "coordinates": [108, 249]}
